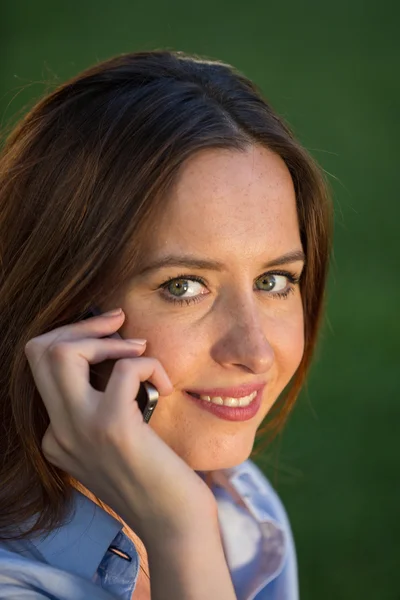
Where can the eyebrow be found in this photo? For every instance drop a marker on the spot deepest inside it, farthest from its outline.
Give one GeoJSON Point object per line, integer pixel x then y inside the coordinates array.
{"type": "Point", "coordinates": [213, 265]}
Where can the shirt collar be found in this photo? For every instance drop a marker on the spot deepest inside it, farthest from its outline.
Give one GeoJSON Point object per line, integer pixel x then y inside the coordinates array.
{"type": "Point", "coordinates": [255, 556]}
{"type": "Point", "coordinates": [81, 542]}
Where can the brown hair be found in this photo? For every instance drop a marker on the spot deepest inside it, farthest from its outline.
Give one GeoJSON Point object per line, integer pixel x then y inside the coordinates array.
{"type": "Point", "coordinates": [84, 174]}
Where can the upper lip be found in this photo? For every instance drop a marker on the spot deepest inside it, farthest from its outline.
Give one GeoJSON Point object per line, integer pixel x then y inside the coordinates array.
{"type": "Point", "coordinates": [231, 392]}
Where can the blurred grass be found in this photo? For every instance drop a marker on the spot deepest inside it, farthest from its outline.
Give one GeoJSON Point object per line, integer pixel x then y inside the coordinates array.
{"type": "Point", "coordinates": [332, 70]}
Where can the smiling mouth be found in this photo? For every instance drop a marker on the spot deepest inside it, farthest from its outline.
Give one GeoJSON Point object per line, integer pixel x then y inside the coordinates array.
{"type": "Point", "coordinates": [226, 400]}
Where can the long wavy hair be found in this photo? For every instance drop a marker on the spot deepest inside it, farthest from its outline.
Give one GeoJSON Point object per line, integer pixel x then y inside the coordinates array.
{"type": "Point", "coordinates": [82, 178]}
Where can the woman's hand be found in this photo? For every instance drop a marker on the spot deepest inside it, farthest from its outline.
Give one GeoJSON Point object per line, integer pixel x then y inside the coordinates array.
{"type": "Point", "coordinates": [100, 438]}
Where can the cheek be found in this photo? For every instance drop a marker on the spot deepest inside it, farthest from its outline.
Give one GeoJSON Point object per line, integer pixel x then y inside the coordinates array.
{"type": "Point", "coordinates": [289, 346]}
{"type": "Point", "coordinates": [173, 344]}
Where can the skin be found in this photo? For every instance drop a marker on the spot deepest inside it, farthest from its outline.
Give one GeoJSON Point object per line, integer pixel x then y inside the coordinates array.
{"type": "Point", "coordinates": [237, 208]}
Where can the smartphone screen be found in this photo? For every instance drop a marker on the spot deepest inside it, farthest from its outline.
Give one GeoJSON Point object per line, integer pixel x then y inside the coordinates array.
{"type": "Point", "coordinates": [147, 397]}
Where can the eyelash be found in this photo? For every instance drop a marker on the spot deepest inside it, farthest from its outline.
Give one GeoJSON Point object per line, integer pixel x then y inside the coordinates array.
{"type": "Point", "coordinates": [291, 277]}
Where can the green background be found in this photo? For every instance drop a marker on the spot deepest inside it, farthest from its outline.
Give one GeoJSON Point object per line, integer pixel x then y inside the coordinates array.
{"type": "Point", "coordinates": [332, 70]}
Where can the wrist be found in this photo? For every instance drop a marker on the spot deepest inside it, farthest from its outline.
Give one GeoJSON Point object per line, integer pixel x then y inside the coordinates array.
{"type": "Point", "coordinates": [178, 565]}
{"type": "Point", "coordinates": [186, 531]}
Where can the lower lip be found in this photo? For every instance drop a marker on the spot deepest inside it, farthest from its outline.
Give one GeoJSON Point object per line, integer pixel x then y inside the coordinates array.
{"type": "Point", "coordinates": [230, 413]}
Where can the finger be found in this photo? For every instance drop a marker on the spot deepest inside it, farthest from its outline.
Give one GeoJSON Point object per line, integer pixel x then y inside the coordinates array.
{"type": "Point", "coordinates": [70, 363]}
{"type": "Point", "coordinates": [98, 326]}
{"type": "Point", "coordinates": [62, 377]}
{"type": "Point", "coordinates": [127, 374]}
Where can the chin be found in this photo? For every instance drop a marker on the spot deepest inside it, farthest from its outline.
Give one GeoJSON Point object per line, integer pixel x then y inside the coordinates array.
{"type": "Point", "coordinates": [207, 448]}
{"type": "Point", "coordinates": [215, 459]}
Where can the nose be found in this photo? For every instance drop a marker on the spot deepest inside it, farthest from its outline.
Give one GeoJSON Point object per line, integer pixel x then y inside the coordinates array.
{"type": "Point", "coordinates": [243, 343]}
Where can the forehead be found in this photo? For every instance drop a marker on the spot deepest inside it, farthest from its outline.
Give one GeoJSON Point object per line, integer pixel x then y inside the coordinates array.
{"type": "Point", "coordinates": [226, 200]}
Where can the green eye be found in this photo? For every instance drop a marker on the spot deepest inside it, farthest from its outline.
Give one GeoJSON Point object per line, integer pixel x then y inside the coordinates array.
{"type": "Point", "coordinates": [178, 287]}
{"type": "Point", "coordinates": [272, 282]}
{"type": "Point", "coordinates": [183, 289]}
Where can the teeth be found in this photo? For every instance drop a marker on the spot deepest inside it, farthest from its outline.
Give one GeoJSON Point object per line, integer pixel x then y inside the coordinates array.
{"type": "Point", "coordinates": [231, 402]}
{"type": "Point", "coordinates": [216, 400]}
{"type": "Point", "coordinates": [244, 401]}
{"type": "Point", "coordinates": [247, 399]}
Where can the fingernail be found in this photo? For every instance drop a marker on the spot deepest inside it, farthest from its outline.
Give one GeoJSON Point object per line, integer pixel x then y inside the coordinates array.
{"type": "Point", "coordinates": [112, 313]}
{"type": "Point", "coordinates": [136, 341]}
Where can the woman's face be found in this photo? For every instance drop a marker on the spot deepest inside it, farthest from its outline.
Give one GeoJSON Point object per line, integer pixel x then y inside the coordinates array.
{"type": "Point", "coordinates": [231, 315]}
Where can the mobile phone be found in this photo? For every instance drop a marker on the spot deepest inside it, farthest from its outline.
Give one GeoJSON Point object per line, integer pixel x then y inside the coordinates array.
{"type": "Point", "coordinates": [147, 397]}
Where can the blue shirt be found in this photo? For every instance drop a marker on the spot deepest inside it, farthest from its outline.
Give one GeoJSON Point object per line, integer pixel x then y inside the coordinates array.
{"type": "Point", "coordinates": [75, 561]}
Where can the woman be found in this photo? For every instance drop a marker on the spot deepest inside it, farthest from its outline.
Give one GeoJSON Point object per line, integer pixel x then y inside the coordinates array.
{"type": "Point", "coordinates": [163, 186]}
